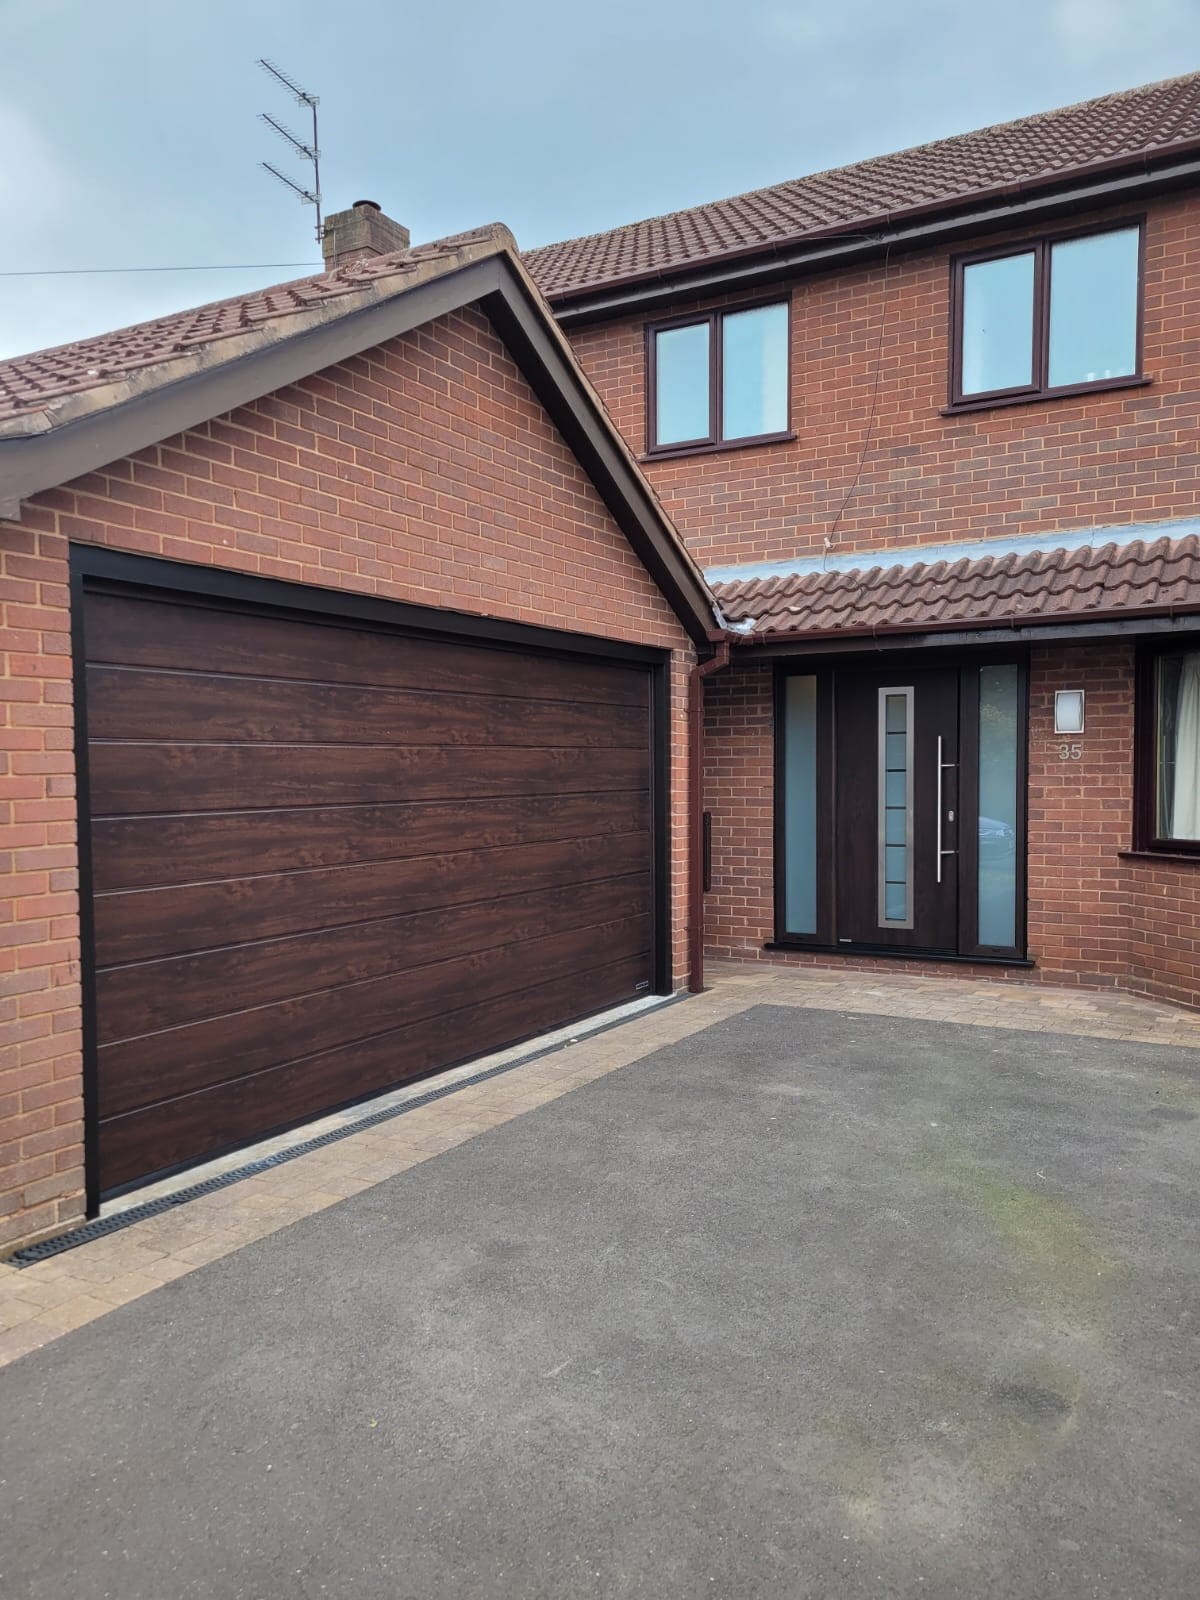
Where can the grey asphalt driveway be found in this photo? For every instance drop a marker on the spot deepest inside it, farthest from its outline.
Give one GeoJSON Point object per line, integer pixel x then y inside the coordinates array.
{"type": "Point", "coordinates": [807, 1305]}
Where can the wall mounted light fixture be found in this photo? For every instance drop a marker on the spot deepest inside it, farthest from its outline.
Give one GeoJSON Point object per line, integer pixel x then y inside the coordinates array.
{"type": "Point", "coordinates": [1068, 711]}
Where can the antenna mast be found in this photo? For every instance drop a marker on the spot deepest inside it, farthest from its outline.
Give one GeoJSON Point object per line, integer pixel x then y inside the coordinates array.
{"type": "Point", "coordinates": [307, 152]}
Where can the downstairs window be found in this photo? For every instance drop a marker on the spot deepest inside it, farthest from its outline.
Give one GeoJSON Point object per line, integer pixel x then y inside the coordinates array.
{"type": "Point", "coordinates": [1169, 751]}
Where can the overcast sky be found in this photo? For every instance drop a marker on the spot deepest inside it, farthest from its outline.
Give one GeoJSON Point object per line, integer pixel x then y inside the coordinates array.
{"type": "Point", "coordinates": [128, 135]}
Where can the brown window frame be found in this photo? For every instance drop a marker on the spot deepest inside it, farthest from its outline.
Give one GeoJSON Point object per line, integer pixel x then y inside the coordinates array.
{"type": "Point", "coordinates": [714, 439]}
{"type": "Point", "coordinates": [1146, 837]}
{"type": "Point", "coordinates": [1040, 248]}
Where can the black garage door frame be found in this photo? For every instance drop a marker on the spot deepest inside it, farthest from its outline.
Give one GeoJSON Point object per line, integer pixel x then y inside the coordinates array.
{"type": "Point", "coordinates": [94, 569]}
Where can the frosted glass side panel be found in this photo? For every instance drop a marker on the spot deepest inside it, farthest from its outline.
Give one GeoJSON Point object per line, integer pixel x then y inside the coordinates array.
{"type": "Point", "coordinates": [999, 725]}
{"type": "Point", "coordinates": [681, 385]}
{"type": "Point", "coordinates": [754, 372]}
{"type": "Point", "coordinates": [800, 804]}
{"type": "Point", "coordinates": [1093, 308]}
{"type": "Point", "coordinates": [997, 325]}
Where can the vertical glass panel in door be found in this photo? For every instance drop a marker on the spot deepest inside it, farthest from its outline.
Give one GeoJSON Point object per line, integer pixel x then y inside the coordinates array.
{"type": "Point", "coordinates": [895, 807]}
{"type": "Point", "coordinates": [800, 804]}
{"type": "Point", "coordinates": [997, 325]}
{"type": "Point", "coordinates": [754, 372]}
{"type": "Point", "coordinates": [681, 388]}
{"type": "Point", "coordinates": [999, 727]}
{"type": "Point", "coordinates": [1093, 308]}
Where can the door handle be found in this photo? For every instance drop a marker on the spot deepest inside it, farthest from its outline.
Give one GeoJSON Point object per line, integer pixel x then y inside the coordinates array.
{"type": "Point", "coordinates": [942, 766]}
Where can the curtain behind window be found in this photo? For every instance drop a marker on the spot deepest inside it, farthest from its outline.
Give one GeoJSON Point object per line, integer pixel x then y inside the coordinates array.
{"type": "Point", "coordinates": [1184, 820]}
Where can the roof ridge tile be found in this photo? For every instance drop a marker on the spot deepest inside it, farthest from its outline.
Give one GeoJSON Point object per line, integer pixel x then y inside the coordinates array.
{"type": "Point", "coordinates": [31, 382]}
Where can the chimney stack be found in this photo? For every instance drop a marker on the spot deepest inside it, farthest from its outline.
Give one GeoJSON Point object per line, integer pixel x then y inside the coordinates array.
{"type": "Point", "coordinates": [360, 233]}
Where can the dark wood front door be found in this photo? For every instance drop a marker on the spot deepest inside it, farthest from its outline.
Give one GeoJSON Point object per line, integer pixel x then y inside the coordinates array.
{"type": "Point", "coordinates": [328, 858]}
{"type": "Point", "coordinates": [896, 799]}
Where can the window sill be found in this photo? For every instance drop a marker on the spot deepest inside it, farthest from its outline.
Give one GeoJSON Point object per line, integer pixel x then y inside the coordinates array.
{"type": "Point", "coordinates": [1174, 858]}
{"type": "Point", "coordinates": [673, 452]}
{"type": "Point", "coordinates": [1071, 392]}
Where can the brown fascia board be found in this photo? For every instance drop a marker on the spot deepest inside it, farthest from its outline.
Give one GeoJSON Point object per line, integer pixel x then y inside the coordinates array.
{"type": "Point", "coordinates": [1107, 623]}
{"type": "Point", "coordinates": [813, 251]}
{"type": "Point", "coordinates": [43, 460]}
{"type": "Point", "coordinates": [527, 328]}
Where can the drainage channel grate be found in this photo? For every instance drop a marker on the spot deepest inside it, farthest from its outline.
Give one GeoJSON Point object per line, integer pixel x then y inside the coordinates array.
{"type": "Point", "coordinates": [29, 1255]}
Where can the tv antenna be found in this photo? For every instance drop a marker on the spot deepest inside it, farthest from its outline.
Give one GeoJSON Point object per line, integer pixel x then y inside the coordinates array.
{"type": "Point", "coordinates": [310, 152]}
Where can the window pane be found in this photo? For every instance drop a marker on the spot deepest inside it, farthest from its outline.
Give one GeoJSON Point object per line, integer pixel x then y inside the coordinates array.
{"type": "Point", "coordinates": [1179, 746]}
{"type": "Point", "coordinates": [1093, 308]}
{"type": "Point", "coordinates": [998, 732]}
{"type": "Point", "coordinates": [800, 805]}
{"type": "Point", "coordinates": [895, 902]}
{"type": "Point", "coordinates": [896, 862]}
{"type": "Point", "coordinates": [754, 368]}
{"type": "Point", "coordinates": [997, 325]}
{"type": "Point", "coordinates": [681, 384]}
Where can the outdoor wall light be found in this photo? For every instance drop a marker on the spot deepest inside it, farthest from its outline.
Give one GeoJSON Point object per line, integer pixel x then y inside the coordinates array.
{"type": "Point", "coordinates": [1068, 711]}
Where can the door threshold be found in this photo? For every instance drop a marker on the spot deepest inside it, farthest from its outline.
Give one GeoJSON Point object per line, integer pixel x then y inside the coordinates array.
{"type": "Point", "coordinates": [248, 1161]}
{"type": "Point", "coordinates": [887, 953]}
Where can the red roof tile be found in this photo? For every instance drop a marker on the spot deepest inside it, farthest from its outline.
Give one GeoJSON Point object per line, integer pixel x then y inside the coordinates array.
{"type": "Point", "coordinates": [1157, 119]}
{"type": "Point", "coordinates": [1155, 577]}
{"type": "Point", "coordinates": [30, 382]}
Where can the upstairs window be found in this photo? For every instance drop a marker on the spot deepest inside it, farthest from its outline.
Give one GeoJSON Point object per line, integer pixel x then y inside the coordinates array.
{"type": "Point", "coordinates": [1051, 316]}
{"type": "Point", "coordinates": [719, 379]}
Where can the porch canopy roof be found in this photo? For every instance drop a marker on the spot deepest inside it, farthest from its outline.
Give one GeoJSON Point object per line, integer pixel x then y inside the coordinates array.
{"type": "Point", "coordinates": [1126, 584]}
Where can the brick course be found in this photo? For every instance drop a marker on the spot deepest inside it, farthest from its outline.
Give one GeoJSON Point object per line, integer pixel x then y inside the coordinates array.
{"type": "Point", "coordinates": [424, 470]}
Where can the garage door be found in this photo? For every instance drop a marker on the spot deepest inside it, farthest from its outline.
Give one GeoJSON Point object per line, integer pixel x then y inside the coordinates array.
{"type": "Point", "coordinates": [329, 858]}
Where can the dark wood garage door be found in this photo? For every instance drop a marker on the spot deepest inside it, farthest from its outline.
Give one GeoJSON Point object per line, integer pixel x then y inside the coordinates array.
{"type": "Point", "coordinates": [330, 858]}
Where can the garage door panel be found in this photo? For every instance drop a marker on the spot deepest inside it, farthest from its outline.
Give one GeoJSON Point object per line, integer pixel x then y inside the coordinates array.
{"type": "Point", "coordinates": [143, 705]}
{"type": "Point", "coordinates": [140, 924]}
{"type": "Point", "coordinates": [330, 857]}
{"type": "Point", "coordinates": [138, 632]}
{"type": "Point", "coordinates": [178, 1131]}
{"type": "Point", "coordinates": [242, 1042]}
{"type": "Point", "coordinates": [136, 779]}
{"type": "Point", "coordinates": [152, 995]}
{"type": "Point", "coordinates": [148, 852]}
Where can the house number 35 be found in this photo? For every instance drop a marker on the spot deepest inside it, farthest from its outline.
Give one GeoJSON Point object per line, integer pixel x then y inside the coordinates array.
{"type": "Point", "coordinates": [1070, 752]}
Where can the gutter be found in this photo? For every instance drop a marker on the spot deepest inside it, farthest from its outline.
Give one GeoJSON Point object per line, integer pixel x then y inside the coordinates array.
{"type": "Point", "coordinates": [763, 263]}
{"type": "Point", "coordinates": [717, 662]}
{"type": "Point", "coordinates": [1049, 619]}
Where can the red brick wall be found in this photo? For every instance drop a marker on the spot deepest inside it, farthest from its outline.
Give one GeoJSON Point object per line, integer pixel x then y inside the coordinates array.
{"type": "Point", "coordinates": [1111, 458]}
{"type": "Point", "coordinates": [1096, 917]}
{"type": "Point", "coordinates": [424, 471]}
{"type": "Point", "coordinates": [739, 768]}
{"type": "Point", "coordinates": [1080, 815]}
{"type": "Point", "coordinates": [924, 478]}
{"type": "Point", "coordinates": [1164, 940]}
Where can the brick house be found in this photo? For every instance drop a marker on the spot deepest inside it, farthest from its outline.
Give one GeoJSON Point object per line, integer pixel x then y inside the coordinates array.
{"type": "Point", "coordinates": [345, 653]}
{"type": "Point", "coordinates": [929, 423]}
{"type": "Point", "coordinates": [368, 706]}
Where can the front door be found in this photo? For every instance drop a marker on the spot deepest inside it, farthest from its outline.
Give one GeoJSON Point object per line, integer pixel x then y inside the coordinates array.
{"type": "Point", "coordinates": [896, 802]}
